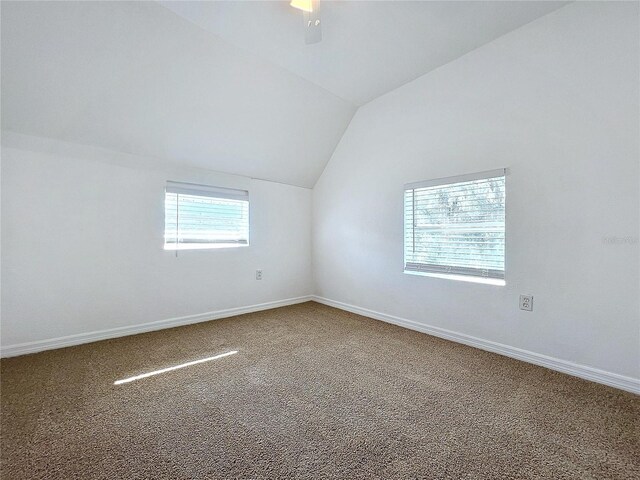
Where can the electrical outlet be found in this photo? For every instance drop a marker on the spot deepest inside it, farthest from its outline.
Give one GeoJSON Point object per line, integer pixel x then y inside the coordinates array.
{"type": "Point", "coordinates": [526, 302]}
{"type": "Point", "coordinates": [258, 274]}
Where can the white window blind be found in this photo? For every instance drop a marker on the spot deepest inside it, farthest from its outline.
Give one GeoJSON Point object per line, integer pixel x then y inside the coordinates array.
{"type": "Point", "coordinates": [199, 216]}
{"type": "Point", "coordinates": [456, 225]}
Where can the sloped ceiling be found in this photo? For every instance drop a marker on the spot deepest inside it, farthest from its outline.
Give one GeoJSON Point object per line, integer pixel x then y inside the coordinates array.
{"type": "Point", "coordinates": [369, 47]}
{"type": "Point", "coordinates": [135, 77]}
{"type": "Point", "coordinates": [228, 86]}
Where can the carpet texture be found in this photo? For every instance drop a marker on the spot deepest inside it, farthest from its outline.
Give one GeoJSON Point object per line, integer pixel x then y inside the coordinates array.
{"type": "Point", "coordinates": [313, 392]}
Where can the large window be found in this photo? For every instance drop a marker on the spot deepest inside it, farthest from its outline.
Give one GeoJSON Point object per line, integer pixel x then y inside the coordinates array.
{"type": "Point", "coordinates": [455, 226]}
{"type": "Point", "coordinates": [198, 216]}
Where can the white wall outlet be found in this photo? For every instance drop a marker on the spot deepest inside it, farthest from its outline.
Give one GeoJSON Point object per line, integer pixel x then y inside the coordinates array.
{"type": "Point", "coordinates": [526, 302]}
{"type": "Point", "coordinates": [258, 274]}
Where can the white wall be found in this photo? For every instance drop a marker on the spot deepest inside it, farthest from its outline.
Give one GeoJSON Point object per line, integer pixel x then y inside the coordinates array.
{"type": "Point", "coordinates": [556, 102]}
{"type": "Point", "coordinates": [82, 238]}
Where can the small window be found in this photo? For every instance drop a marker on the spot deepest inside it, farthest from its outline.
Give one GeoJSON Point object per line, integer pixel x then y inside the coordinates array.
{"type": "Point", "coordinates": [454, 227]}
{"type": "Point", "coordinates": [198, 216]}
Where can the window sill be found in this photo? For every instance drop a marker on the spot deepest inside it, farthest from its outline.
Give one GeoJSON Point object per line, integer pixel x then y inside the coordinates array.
{"type": "Point", "coordinates": [186, 247]}
{"type": "Point", "coordinates": [462, 278]}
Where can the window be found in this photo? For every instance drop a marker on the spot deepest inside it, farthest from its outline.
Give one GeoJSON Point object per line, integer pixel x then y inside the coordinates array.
{"type": "Point", "coordinates": [198, 216]}
{"type": "Point", "coordinates": [454, 227]}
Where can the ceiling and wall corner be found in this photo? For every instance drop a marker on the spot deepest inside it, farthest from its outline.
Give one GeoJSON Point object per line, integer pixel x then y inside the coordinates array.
{"type": "Point", "coordinates": [226, 86]}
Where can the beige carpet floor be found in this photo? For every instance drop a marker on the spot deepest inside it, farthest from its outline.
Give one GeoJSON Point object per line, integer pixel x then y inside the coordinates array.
{"type": "Point", "coordinates": [313, 392]}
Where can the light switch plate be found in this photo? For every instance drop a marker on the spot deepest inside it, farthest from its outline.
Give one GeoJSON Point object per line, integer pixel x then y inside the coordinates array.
{"type": "Point", "coordinates": [258, 274]}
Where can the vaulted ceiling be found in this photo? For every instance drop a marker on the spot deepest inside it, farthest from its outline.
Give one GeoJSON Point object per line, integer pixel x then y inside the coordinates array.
{"type": "Point", "coordinates": [229, 86]}
{"type": "Point", "coordinates": [369, 47]}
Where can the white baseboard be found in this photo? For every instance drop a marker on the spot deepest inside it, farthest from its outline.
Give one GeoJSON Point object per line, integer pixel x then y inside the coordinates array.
{"type": "Point", "coordinates": [70, 340]}
{"type": "Point", "coordinates": [622, 382]}
{"type": "Point", "coordinates": [589, 373]}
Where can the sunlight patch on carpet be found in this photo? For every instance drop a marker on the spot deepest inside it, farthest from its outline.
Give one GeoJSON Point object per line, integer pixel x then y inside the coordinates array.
{"type": "Point", "coordinates": [175, 367]}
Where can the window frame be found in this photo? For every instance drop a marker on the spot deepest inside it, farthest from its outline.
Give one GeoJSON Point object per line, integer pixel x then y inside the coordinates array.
{"type": "Point", "coordinates": [204, 191]}
{"type": "Point", "coordinates": [444, 271]}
